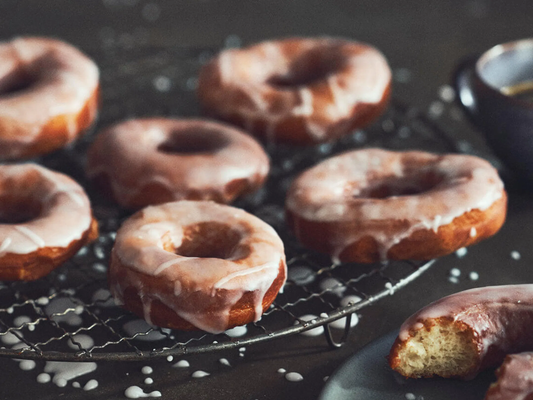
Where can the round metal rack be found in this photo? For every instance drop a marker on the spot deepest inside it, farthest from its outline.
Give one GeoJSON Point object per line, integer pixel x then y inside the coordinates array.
{"type": "Point", "coordinates": [70, 315]}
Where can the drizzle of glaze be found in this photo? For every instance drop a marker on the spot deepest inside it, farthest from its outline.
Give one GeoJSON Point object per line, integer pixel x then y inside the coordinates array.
{"type": "Point", "coordinates": [66, 81]}
{"type": "Point", "coordinates": [339, 190]}
{"type": "Point", "coordinates": [55, 193]}
{"type": "Point", "coordinates": [361, 77]}
{"type": "Point", "coordinates": [252, 266]}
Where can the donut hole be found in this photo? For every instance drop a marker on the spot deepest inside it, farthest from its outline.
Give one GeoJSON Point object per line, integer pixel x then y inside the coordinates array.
{"type": "Point", "coordinates": [210, 240]}
{"type": "Point", "coordinates": [15, 83]}
{"type": "Point", "coordinates": [16, 210]}
{"type": "Point", "coordinates": [404, 186]}
{"type": "Point", "coordinates": [308, 69]}
{"type": "Point", "coordinates": [193, 141]}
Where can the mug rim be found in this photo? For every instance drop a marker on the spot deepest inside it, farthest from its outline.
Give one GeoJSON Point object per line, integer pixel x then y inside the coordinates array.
{"type": "Point", "coordinates": [496, 51]}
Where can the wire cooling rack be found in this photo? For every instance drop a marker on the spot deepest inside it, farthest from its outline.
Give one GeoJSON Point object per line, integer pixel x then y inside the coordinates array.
{"type": "Point", "coordinates": [70, 315]}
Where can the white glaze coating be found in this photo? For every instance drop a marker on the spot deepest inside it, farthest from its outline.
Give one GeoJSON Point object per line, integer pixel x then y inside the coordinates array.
{"type": "Point", "coordinates": [253, 265]}
{"type": "Point", "coordinates": [360, 75]}
{"type": "Point", "coordinates": [337, 190]}
{"type": "Point", "coordinates": [128, 154]}
{"type": "Point", "coordinates": [474, 306]}
{"type": "Point", "coordinates": [65, 209]}
{"type": "Point", "coordinates": [64, 79]}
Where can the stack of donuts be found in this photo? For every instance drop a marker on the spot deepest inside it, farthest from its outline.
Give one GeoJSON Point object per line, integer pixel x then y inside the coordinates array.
{"type": "Point", "coordinates": [185, 259]}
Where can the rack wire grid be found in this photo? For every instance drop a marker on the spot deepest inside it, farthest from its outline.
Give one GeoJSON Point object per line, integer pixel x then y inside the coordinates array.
{"type": "Point", "coordinates": [70, 315]}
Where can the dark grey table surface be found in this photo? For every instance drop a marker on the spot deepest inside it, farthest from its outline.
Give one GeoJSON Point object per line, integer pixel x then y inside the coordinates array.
{"type": "Point", "coordinates": [423, 40]}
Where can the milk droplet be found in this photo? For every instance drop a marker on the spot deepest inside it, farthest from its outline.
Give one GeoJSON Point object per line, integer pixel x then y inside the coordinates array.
{"type": "Point", "coordinates": [515, 255]}
{"type": "Point", "coordinates": [27, 365]}
{"type": "Point", "coordinates": [43, 378]}
{"type": "Point", "coordinates": [135, 392]}
{"type": "Point", "coordinates": [76, 385]}
{"type": "Point", "coordinates": [410, 396]}
{"type": "Point", "coordinates": [461, 252]}
{"type": "Point", "coordinates": [311, 332]}
{"type": "Point", "coordinates": [148, 381]}
{"type": "Point", "coordinates": [10, 338]}
{"type": "Point", "coordinates": [200, 374]}
{"type": "Point", "coordinates": [474, 276]}
{"type": "Point", "coordinates": [282, 370]}
{"type": "Point", "coordinates": [224, 361]}
{"type": "Point", "coordinates": [301, 275]}
{"type": "Point", "coordinates": [333, 285]}
{"type": "Point", "coordinates": [238, 331]}
{"type": "Point", "coordinates": [147, 370]}
{"type": "Point", "coordinates": [294, 377]}
{"type": "Point", "coordinates": [92, 384]}
{"type": "Point", "coordinates": [182, 364]}
{"type": "Point", "coordinates": [455, 272]}
{"type": "Point", "coordinates": [170, 358]}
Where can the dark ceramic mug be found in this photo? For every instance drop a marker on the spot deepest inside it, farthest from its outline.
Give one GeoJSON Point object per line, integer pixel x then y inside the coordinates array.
{"type": "Point", "coordinates": [496, 91]}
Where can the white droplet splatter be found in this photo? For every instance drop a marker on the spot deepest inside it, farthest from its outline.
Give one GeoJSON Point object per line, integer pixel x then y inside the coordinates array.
{"type": "Point", "coordinates": [455, 272]}
{"type": "Point", "coordinates": [135, 392]}
{"type": "Point", "coordinates": [224, 361]}
{"type": "Point", "coordinates": [333, 285]}
{"type": "Point", "coordinates": [474, 276]}
{"type": "Point", "coordinates": [146, 370]}
{"type": "Point", "coordinates": [43, 378]}
{"type": "Point", "coordinates": [515, 255]}
{"type": "Point", "coordinates": [92, 384]}
{"type": "Point", "coordinates": [301, 275]}
{"type": "Point", "coordinates": [182, 364]}
{"type": "Point", "coordinates": [294, 377]}
{"type": "Point", "coordinates": [461, 252]}
{"type": "Point", "coordinates": [148, 381]}
{"type": "Point", "coordinates": [311, 332]}
{"type": "Point", "coordinates": [27, 365]}
{"type": "Point", "coordinates": [238, 331]}
{"type": "Point", "coordinates": [200, 374]}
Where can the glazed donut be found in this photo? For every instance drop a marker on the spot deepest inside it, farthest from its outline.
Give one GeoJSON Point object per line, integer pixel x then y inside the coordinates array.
{"type": "Point", "coordinates": [515, 379]}
{"type": "Point", "coordinates": [152, 161]}
{"type": "Point", "coordinates": [298, 91]}
{"type": "Point", "coordinates": [191, 265]}
{"type": "Point", "coordinates": [45, 218]}
{"type": "Point", "coordinates": [461, 334]}
{"type": "Point", "coordinates": [48, 96]}
{"type": "Point", "coordinates": [372, 205]}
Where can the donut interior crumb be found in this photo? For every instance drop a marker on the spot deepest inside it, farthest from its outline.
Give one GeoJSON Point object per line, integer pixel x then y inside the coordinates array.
{"type": "Point", "coordinates": [445, 349]}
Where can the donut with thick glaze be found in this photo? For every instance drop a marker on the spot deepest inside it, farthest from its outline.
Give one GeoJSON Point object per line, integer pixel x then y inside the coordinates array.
{"type": "Point", "coordinates": [372, 205]}
{"type": "Point", "coordinates": [191, 265]}
{"type": "Point", "coordinates": [45, 218]}
{"type": "Point", "coordinates": [48, 96]}
{"type": "Point", "coordinates": [461, 334]}
{"type": "Point", "coordinates": [151, 161]}
{"type": "Point", "coordinates": [298, 90]}
{"type": "Point", "coordinates": [515, 379]}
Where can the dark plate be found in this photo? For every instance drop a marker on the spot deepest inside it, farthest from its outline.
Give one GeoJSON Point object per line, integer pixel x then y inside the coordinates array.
{"type": "Point", "coordinates": [367, 376]}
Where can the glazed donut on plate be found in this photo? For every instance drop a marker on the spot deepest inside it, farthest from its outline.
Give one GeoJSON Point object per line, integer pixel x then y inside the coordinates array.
{"type": "Point", "coordinates": [461, 334]}
{"type": "Point", "coordinates": [151, 161]}
{"type": "Point", "coordinates": [192, 265]}
{"type": "Point", "coordinates": [372, 205]}
{"type": "Point", "coordinates": [45, 218]}
{"type": "Point", "coordinates": [48, 96]}
{"type": "Point", "coordinates": [299, 90]}
{"type": "Point", "coordinates": [515, 379]}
